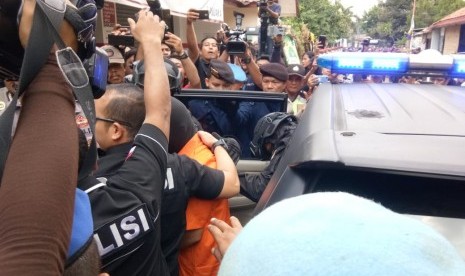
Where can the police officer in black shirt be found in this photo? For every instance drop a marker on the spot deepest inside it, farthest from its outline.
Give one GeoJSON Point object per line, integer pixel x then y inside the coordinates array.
{"type": "Point", "coordinates": [271, 137]}
{"type": "Point", "coordinates": [185, 177]}
{"type": "Point", "coordinates": [126, 209]}
{"type": "Point", "coordinates": [215, 115]}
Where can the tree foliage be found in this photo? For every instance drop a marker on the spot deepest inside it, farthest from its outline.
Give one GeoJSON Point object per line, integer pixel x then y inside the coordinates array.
{"type": "Point", "coordinates": [429, 11]}
{"type": "Point", "coordinates": [322, 17]}
{"type": "Point", "coordinates": [390, 19]}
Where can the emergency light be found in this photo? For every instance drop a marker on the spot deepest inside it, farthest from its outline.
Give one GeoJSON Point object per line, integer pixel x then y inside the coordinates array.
{"type": "Point", "coordinates": [365, 63]}
{"type": "Point", "coordinates": [458, 67]}
{"type": "Point", "coordinates": [429, 61]}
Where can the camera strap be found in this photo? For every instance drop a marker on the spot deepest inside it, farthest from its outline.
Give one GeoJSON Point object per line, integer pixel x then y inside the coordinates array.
{"type": "Point", "coordinates": [48, 17]}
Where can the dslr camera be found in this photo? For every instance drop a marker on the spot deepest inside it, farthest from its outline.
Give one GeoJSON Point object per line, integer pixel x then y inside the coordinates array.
{"type": "Point", "coordinates": [236, 45]}
{"type": "Point", "coordinates": [262, 4]}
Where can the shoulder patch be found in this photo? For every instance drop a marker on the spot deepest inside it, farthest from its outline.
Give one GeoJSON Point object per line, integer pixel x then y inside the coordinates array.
{"type": "Point", "coordinates": [124, 232]}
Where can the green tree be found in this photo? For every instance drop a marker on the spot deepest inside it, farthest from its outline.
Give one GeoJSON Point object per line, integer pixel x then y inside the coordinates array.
{"type": "Point", "coordinates": [390, 19]}
{"type": "Point", "coordinates": [429, 11]}
{"type": "Point", "coordinates": [322, 17]}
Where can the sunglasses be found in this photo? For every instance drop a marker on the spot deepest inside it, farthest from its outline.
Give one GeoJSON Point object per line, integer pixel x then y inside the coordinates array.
{"type": "Point", "coordinates": [113, 121]}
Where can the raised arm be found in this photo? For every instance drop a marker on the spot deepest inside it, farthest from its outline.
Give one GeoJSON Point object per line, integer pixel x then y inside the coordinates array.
{"type": "Point", "coordinates": [189, 67]}
{"type": "Point", "coordinates": [253, 69]}
{"type": "Point", "coordinates": [192, 43]}
{"type": "Point", "coordinates": [149, 32]}
{"type": "Point", "coordinates": [40, 176]}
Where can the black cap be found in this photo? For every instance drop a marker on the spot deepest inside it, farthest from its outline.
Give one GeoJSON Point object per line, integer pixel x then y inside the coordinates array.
{"type": "Point", "coordinates": [221, 70]}
{"type": "Point", "coordinates": [276, 70]}
{"type": "Point", "coordinates": [296, 69]}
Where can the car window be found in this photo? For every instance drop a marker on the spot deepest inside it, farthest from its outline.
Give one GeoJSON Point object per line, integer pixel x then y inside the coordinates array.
{"type": "Point", "coordinates": [232, 113]}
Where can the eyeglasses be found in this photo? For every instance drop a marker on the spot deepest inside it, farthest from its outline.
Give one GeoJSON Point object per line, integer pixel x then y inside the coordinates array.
{"type": "Point", "coordinates": [113, 121]}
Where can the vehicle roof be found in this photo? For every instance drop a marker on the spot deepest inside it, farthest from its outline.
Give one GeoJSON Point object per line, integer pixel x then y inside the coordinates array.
{"type": "Point", "coordinates": [418, 128]}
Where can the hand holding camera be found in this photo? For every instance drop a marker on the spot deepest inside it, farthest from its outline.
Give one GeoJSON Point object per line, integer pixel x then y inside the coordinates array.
{"type": "Point", "coordinates": [148, 29]}
{"type": "Point", "coordinates": [174, 42]}
{"type": "Point", "coordinates": [192, 16]}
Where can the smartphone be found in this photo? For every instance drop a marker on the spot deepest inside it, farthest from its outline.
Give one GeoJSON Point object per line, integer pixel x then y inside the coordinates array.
{"type": "Point", "coordinates": [322, 78]}
{"type": "Point", "coordinates": [203, 14]}
{"type": "Point", "coordinates": [116, 40]}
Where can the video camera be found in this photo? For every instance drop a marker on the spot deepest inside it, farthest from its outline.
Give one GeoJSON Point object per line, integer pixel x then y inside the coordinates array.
{"type": "Point", "coordinates": [163, 14]}
{"type": "Point", "coordinates": [262, 4]}
{"type": "Point", "coordinates": [12, 52]}
{"type": "Point", "coordinates": [236, 45]}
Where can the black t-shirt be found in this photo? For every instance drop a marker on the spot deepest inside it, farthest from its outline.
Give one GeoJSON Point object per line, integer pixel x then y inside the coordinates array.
{"type": "Point", "coordinates": [111, 160]}
{"type": "Point", "coordinates": [185, 177]}
{"type": "Point", "coordinates": [126, 209]}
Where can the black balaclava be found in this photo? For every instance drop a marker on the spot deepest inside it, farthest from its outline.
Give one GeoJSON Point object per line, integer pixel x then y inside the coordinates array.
{"type": "Point", "coordinates": [182, 127]}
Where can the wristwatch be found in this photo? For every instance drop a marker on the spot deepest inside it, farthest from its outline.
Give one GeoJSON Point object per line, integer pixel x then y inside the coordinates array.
{"type": "Point", "coordinates": [221, 143]}
{"type": "Point", "coordinates": [181, 56]}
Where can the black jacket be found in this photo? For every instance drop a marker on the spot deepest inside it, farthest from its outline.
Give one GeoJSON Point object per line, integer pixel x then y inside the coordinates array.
{"type": "Point", "coordinates": [126, 209]}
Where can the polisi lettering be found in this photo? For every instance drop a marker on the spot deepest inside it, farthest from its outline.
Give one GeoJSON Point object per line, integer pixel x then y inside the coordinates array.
{"type": "Point", "coordinates": [169, 181]}
{"type": "Point", "coordinates": [123, 231]}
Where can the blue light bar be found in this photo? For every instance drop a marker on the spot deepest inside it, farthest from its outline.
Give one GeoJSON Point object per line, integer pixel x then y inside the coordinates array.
{"type": "Point", "coordinates": [365, 63]}
{"type": "Point", "coordinates": [458, 67]}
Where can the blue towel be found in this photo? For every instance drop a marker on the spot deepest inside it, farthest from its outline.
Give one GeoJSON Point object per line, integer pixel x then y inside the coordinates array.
{"type": "Point", "coordinates": [338, 234]}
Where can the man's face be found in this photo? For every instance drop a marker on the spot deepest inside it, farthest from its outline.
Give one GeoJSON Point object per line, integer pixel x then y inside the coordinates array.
{"type": "Point", "coordinates": [271, 84]}
{"type": "Point", "coordinates": [116, 73]}
{"type": "Point", "coordinates": [218, 84]}
{"type": "Point", "coordinates": [306, 61]}
{"type": "Point", "coordinates": [165, 49]}
{"type": "Point", "coordinates": [209, 49]}
{"type": "Point", "coordinates": [179, 65]}
{"type": "Point", "coordinates": [102, 128]}
{"type": "Point", "coordinates": [294, 84]}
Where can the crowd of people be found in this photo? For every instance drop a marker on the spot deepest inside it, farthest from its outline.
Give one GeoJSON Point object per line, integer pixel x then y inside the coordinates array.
{"type": "Point", "coordinates": [156, 202]}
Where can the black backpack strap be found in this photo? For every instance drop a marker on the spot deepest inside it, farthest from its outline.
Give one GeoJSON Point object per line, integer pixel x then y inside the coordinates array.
{"type": "Point", "coordinates": [82, 94]}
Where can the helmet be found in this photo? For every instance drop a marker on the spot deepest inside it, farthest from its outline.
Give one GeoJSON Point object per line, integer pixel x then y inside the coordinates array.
{"type": "Point", "coordinates": [266, 127]}
{"type": "Point", "coordinates": [82, 15]}
{"type": "Point", "coordinates": [174, 75]}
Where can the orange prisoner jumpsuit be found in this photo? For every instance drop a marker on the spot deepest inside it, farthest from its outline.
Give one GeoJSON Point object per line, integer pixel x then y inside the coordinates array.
{"type": "Point", "coordinates": [197, 259]}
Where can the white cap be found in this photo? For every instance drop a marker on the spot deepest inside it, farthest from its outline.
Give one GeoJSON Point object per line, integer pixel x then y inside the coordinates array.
{"type": "Point", "coordinates": [113, 53]}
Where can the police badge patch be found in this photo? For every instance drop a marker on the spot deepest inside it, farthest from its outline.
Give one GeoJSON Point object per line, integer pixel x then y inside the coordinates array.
{"type": "Point", "coordinates": [124, 232]}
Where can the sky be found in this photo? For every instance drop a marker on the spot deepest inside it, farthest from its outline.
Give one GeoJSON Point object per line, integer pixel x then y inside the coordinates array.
{"type": "Point", "coordinates": [359, 6]}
